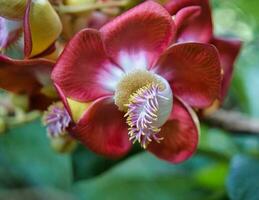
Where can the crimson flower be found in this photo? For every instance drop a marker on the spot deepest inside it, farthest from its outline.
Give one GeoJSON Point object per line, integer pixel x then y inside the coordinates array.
{"type": "Point", "coordinates": [140, 87]}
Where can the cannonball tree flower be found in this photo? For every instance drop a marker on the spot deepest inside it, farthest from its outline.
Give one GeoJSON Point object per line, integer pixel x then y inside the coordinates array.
{"type": "Point", "coordinates": [136, 86]}
{"type": "Point", "coordinates": [194, 23]}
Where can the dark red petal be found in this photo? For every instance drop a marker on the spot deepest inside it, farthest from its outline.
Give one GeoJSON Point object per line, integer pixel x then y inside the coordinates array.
{"type": "Point", "coordinates": [39, 101]}
{"type": "Point", "coordinates": [103, 129]}
{"type": "Point", "coordinates": [138, 37]}
{"type": "Point", "coordinates": [228, 52]}
{"type": "Point", "coordinates": [181, 135]}
{"type": "Point", "coordinates": [186, 14]}
{"type": "Point", "coordinates": [198, 29]}
{"type": "Point", "coordinates": [193, 71]}
{"type": "Point", "coordinates": [27, 31]}
{"type": "Point", "coordinates": [63, 99]}
{"type": "Point", "coordinates": [78, 71]}
{"type": "Point", "coordinates": [24, 76]}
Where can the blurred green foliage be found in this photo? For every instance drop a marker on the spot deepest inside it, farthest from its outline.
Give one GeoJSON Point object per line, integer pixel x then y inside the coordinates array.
{"type": "Point", "coordinates": [27, 160]}
{"type": "Point", "coordinates": [226, 165]}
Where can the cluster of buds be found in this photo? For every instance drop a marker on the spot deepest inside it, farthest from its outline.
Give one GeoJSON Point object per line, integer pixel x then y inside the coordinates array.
{"type": "Point", "coordinates": [122, 74]}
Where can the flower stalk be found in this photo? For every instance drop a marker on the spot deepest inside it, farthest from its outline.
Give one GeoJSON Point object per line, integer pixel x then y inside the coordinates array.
{"type": "Point", "coordinates": [73, 9]}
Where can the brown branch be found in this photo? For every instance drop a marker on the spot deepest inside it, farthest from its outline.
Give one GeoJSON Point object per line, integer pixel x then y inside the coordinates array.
{"type": "Point", "coordinates": [233, 121]}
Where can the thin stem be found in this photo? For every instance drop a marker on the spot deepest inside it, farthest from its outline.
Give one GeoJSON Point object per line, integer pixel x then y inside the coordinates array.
{"type": "Point", "coordinates": [233, 121]}
{"type": "Point", "coordinates": [88, 7]}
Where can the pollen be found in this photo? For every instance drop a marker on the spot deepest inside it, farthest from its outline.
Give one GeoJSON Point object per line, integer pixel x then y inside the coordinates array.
{"type": "Point", "coordinates": [130, 83]}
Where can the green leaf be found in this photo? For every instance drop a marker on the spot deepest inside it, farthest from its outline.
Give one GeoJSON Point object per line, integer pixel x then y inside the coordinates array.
{"type": "Point", "coordinates": [247, 73]}
{"type": "Point", "coordinates": [145, 177]}
{"type": "Point", "coordinates": [240, 20]}
{"type": "Point", "coordinates": [27, 159]}
{"type": "Point", "coordinates": [87, 164]}
{"type": "Point", "coordinates": [218, 141]}
{"type": "Point", "coordinates": [248, 144]}
{"type": "Point", "coordinates": [36, 193]}
{"type": "Point", "coordinates": [212, 176]}
{"type": "Point", "coordinates": [243, 181]}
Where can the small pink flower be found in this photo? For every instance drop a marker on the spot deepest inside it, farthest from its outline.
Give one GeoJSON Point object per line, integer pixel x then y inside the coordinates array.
{"type": "Point", "coordinates": [141, 87]}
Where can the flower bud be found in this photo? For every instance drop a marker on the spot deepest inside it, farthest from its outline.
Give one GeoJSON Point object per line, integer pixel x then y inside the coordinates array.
{"type": "Point", "coordinates": [45, 26]}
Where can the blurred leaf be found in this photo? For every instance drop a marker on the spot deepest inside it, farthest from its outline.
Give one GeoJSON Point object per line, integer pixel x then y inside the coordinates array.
{"type": "Point", "coordinates": [248, 71]}
{"type": "Point", "coordinates": [40, 193]}
{"type": "Point", "coordinates": [216, 172]}
{"type": "Point", "coordinates": [243, 179]}
{"type": "Point", "coordinates": [240, 20]}
{"type": "Point", "coordinates": [87, 164]}
{"type": "Point", "coordinates": [27, 159]}
{"type": "Point", "coordinates": [248, 144]}
{"type": "Point", "coordinates": [250, 8]}
{"type": "Point", "coordinates": [145, 177]}
{"type": "Point", "coordinates": [217, 140]}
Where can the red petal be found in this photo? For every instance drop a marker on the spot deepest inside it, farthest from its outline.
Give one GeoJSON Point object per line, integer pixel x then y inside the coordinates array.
{"type": "Point", "coordinates": [27, 31]}
{"type": "Point", "coordinates": [78, 71]}
{"type": "Point", "coordinates": [228, 52]}
{"type": "Point", "coordinates": [181, 135]}
{"type": "Point", "coordinates": [186, 14]}
{"type": "Point", "coordinates": [24, 76]}
{"type": "Point", "coordinates": [194, 72]}
{"type": "Point", "coordinates": [103, 129]}
{"type": "Point", "coordinates": [63, 99]}
{"type": "Point", "coordinates": [198, 29]}
{"type": "Point", "coordinates": [138, 37]}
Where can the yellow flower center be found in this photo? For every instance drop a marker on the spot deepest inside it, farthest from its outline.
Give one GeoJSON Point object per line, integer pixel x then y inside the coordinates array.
{"type": "Point", "coordinates": [130, 83]}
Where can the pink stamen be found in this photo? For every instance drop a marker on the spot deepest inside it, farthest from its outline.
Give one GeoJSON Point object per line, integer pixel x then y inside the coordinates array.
{"type": "Point", "coordinates": [142, 112]}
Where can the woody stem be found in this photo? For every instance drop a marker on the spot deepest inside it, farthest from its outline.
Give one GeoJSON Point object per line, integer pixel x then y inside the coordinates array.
{"type": "Point", "coordinates": [233, 121]}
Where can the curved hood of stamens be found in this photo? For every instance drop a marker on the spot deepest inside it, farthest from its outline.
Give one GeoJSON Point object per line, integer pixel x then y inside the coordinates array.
{"type": "Point", "coordinates": [165, 102]}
